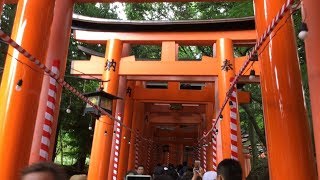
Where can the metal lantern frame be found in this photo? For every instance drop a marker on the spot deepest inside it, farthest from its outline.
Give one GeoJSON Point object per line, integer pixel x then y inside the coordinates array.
{"type": "Point", "coordinates": [102, 99]}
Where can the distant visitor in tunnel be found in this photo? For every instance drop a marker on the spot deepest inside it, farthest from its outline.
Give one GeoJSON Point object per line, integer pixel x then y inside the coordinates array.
{"type": "Point", "coordinates": [140, 170]}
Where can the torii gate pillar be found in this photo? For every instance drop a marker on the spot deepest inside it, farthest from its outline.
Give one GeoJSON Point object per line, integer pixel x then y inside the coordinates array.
{"type": "Point", "coordinates": [135, 142]}
{"type": "Point", "coordinates": [125, 133]}
{"type": "Point", "coordinates": [312, 45]}
{"type": "Point", "coordinates": [290, 153]}
{"type": "Point", "coordinates": [45, 128]}
{"type": "Point", "coordinates": [103, 133]}
{"type": "Point", "coordinates": [1, 7]}
{"type": "Point", "coordinates": [16, 121]}
{"type": "Point", "coordinates": [228, 136]}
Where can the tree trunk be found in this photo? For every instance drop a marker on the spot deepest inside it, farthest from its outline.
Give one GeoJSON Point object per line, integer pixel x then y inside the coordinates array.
{"type": "Point", "coordinates": [253, 144]}
{"type": "Point", "coordinates": [252, 120]}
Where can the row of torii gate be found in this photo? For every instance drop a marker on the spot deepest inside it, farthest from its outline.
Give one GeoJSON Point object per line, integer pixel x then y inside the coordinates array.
{"type": "Point", "coordinates": [45, 34]}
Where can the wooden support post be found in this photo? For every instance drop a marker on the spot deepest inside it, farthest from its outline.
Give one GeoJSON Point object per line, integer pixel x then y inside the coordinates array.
{"type": "Point", "coordinates": [290, 154]}
{"type": "Point", "coordinates": [312, 44]}
{"type": "Point", "coordinates": [146, 152]}
{"type": "Point", "coordinates": [1, 7]}
{"type": "Point", "coordinates": [225, 56]}
{"type": "Point", "coordinates": [115, 147]}
{"type": "Point", "coordinates": [209, 119]}
{"type": "Point", "coordinates": [103, 133]}
{"type": "Point", "coordinates": [116, 141]}
{"type": "Point", "coordinates": [168, 51]}
{"type": "Point", "coordinates": [125, 133]}
{"type": "Point", "coordinates": [137, 125]}
{"type": "Point", "coordinates": [45, 129]}
{"type": "Point", "coordinates": [31, 29]}
{"type": "Point", "coordinates": [181, 153]}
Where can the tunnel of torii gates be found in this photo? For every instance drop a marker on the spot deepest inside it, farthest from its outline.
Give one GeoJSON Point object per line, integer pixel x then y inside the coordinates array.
{"type": "Point", "coordinates": [171, 117]}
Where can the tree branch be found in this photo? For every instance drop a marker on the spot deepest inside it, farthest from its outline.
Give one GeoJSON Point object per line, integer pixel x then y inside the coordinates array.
{"type": "Point", "coordinates": [252, 120]}
{"type": "Point", "coordinates": [256, 99]}
{"type": "Point", "coordinates": [185, 51]}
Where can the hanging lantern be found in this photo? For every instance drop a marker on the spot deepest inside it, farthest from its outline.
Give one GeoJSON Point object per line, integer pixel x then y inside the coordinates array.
{"type": "Point", "coordinates": [102, 99]}
{"type": "Point", "coordinates": [252, 74]}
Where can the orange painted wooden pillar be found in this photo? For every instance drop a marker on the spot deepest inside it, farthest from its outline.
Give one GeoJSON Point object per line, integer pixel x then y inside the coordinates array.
{"type": "Point", "coordinates": [227, 64]}
{"type": "Point", "coordinates": [102, 139]}
{"type": "Point", "coordinates": [1, 6]}
{"type": "Point", "coordinates": [173, 157]}
{"type": "Point", "coordinates": [137, 124]}
{"type": "Point", "coordinates": [57, 52]}
{"type": "Point", "coordinates": [146, 144]}
{"type": "Point", "coordinates": [219, 153]}
{"type": "Point", "coordinates": [209, 117]}
{"type": "Point", "coordinates": [312, 44]}
{"type": "Point", "coordinates": [142, 153]}
{"type": "Point", "coordinates": [131, 157]}
{"type": "Point", "coordinates": [115, 147]}
{"type": "Point", "coordinates": [18, 109]}
{"type": "Point", "coordinates": [170, 153]}
{"type": "Point", "coordinates": [290, 153]}
{"type": "Point", "coordinates": [166, 157]}
{"type": "Point", "coordinates": [143, 146]}
{"type": "Point", "coordinates": [148, 155]}
{"type": "Point", "coordinates": [203, 148]}
{"type": "Point", "coordinates": [180, 150]}
{"type": "Point", "coordinates": [159, 154]}
{"type": "Point", "coordinates": [125, 133]}
{"type": "Point", "coordinates": [115, 150]}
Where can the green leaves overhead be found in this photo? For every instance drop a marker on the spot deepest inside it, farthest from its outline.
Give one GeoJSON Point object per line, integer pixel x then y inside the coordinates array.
{"type": "Point", "coordinates": [188, 11]}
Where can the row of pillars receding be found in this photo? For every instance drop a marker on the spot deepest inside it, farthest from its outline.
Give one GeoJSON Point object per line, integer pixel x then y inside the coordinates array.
{"type": "Point", "coordinates": [45, 34]}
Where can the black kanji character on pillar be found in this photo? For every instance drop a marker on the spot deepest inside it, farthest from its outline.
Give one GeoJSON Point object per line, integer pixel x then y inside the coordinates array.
{"type": "Point", "coordinates": [226, 66]}
{"type": "Point", "coordinates": [110, 64]}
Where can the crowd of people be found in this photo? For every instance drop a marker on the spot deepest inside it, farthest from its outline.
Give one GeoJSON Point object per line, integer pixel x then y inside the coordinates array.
{"type": "Point", "coordinates": [227, 169]}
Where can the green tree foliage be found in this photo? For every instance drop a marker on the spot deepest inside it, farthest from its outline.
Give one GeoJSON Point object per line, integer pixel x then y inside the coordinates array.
{"type": "Point", "coordinates": [99, 10]}
{"type": "Point", "coordinates": [74, 138]}
{"type": "Point", "coordinates": [185, 11]}
{"type": "Point", "coordinates": [6, 25]}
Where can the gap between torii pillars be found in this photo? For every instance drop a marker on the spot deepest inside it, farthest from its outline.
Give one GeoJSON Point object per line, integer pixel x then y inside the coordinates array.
{"type": "Point", "coordinates": [125, 133]}
{"type": "Point", "coordinates": [102, 139]}
{"type": "Point", "coordinates": [18, 109]}
{"type": "Point", "coordinates": [115, 148]}
{"type": "Point", "coordinates": [227, 64]}
{"type": "Point", "coordinates": [312, 44]}
{"type": "Point", "coordinates": [57, 52]}
{"type": "Point", "coordinates": [290, 154]}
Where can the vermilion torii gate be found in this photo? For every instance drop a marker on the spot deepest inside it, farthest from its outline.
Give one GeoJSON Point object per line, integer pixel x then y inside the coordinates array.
{"type": "Point", "coordinates": [286, 125]}
{"type": "Point", "coordinates": [211, 70]}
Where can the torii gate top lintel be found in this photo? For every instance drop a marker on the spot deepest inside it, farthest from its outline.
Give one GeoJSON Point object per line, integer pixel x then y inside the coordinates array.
{"type": "Point", "coordinates": [81, 22]}
{"type": "Point", "coordinates": [170, 34]}
{"type": "Point", "coordinates": [200, 32]}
